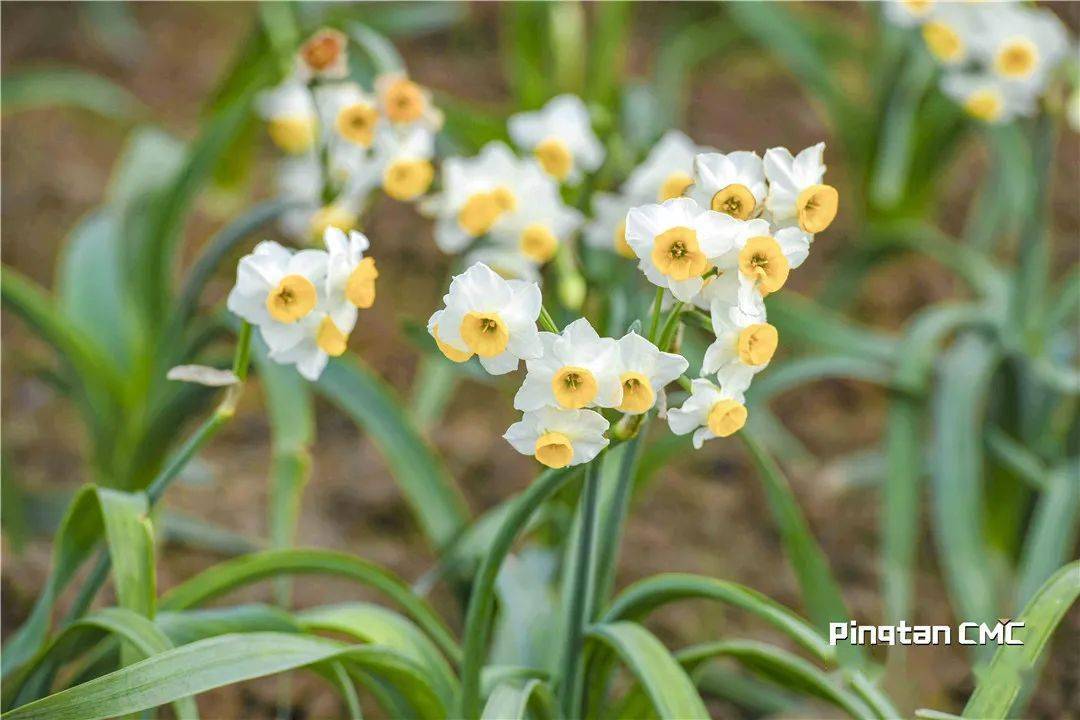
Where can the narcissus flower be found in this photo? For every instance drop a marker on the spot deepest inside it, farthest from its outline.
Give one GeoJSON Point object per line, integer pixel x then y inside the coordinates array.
{"type": "Point", "coordinates": [291, 120]}
{"type": "Point", "coordinates": [666, 171]}
{"type": "Point", "coordinates": [350, 111]}
{"type": "Point", "coordinates": [559, 438]}
{"type": "Point", "coordinates": [537, 227]}
{"type": "Point", "coordinates": [677, 242]}
{"type": "Point", "coordinates": [577, 369]}
{"type": "Point", "coordinates": [763, 258]}
{"type": "Point", "coordinates": [908, 13]}
{"type": "Point", "coordinates": [643, 371]}
{"type": "Point", "coordinates": [709, 412]}
{"type": "Point", "coordinates": [1021, 44]}
{"type": "Point", "coordinates": [745, 341]}
{"type": "Point", "coordinates": [733, 184]}
{"type": "Point", "coordinates": [796, 193]}
{"type": "Point", "coordinates": [948, 33]}
{"type": "Point", "coordinates": [324, 55]}
{"type": "Point", "coordinates": [607, 229]}
{"type": "Point", "coordinates": [404, 102]}
{"type": "Point", "coordinates": [986, 98]}
{"type": "Point", "coordinates": [350, 277]}
{"type": "Point", "coordinates": [406, 161]}
{"type": "Point", "coordinates": [491, 317]}
{"type": "Point", "coordinates": [561, 138]}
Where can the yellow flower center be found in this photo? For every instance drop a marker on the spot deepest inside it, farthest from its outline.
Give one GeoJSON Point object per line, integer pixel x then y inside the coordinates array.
{"type": "Point", "coordinates": [360, 287]}
{"type": "Point", "coordinates": [482, 210]}
{"type": "Point", "coordinates": [293, 298]}
{"type": "Point", "coordinates": [538, 243]}
{"type": "Point", "coordinates": [761, 260]}
{"type": "Point", "coordinates": [554, 450]}
{"type": "Point", "coordinates": [621, 246]}
{"type": "Point", "coordinates": [757, 343]}
{"type": "Point", "coordinates": [735, 200]}
{"type": "Point", "coordinates": [816, 206]}
{"type": "Point", "coordinates": [323, 50]}
{"type": "Point", "coordinates": [943, 42]}
{"type": "Point", "coordinates": [1017, 59]}
{"type": "Point", "coordinates": [917, 7]}
{"type": "Point", "coordinates": [484, 333]}
{"type": "Point", "coordinates": [329, 339]}
{"type": "Point", "coordinates": [451, 352]}
{"type": "Point", "coordinates": [726, 418]}
{"type": "Point", "coordinates": [554, 157]}
{"type": "Point", "coordinates": [408, 179]}
{"type": "Point", "coordinates": [504, 199]}
{"type": "Point", "coordinates": [637, 393]}
{"type": "Point", "coordinates": [574, 387]}
{"type": "Point", "coordinates": [984, 105]}
{"type": "Point", "coordinates": [677, 255]}
{"type": "Point", "coordinates": [405, 102]}
{"type": "Point", "coordinates": [332, 216]}
{"type": "Point", "coordinates": [356, 123]}
{"type": "Point", "coordinates": [293, 135]}
{"type": "Point", "coordinates": [674, 185]}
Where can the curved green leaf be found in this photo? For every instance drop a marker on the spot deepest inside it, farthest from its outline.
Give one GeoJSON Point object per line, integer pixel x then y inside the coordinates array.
{"type": "Point", "coordinates": [793, 373]}
{"type": "Point", "coordinates": [35, 89]}
{"type": "Point", "coordinates": [1053, 529]}
{"type": "Point", "coordinates": [511, 702]}
{"type": "Point", "coordinates": [799, 318]}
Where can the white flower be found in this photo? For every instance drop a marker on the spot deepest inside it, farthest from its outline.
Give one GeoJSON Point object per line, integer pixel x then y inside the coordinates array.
{"type": "Point", "coordinates": [291, 120]}
{"type": "Point", "coordinates": [733, 184]}
{"type": "Point", "coordinates": [796, 194]}
{"type": "Point", "coordinates": [405, 159]}
{"type": "Point", "coordinates": [643, 371]}
{"type": "Point", "coordinates": [404, 102]}
{"type": "Point", "coordinates": [665, 173]}
{"type": "Point", "coordinates": [506, 261]}
{"type": "Point", "coordinates": [1021, 45]}
{"type": "Point", "coordinates": [950, 31]}
{"type": "Point", "coordinates": [745, 341]}
{"type": "Point", "coordinates": [491, 317]}
{"type": "Point", "coordinates": [577, 369]}
{"type": "Point", "coordinates": [539, 225]}
{"type": "Point", "coordinates": [709, 412]}
{"type": "Point", "coordinates": [559, 438]}
{"type": "Point", "coordinates": [725, 286]}
{"type": "Point", "coordinates": [315, 339]}
{"type": "Point", "coordinates": [908, 13]}
{"type": "Point", "coordinates": [607, 229]}
{"type": "Point", "coordinates": [561, 137]}
{"type": "Point", "coordinates": [350, 277]}
{"type": "Point", "coordinates": [677, 242]}
{"type": "Point", "coordinates": [986, 98]}
{"type": "Point", "coordinates": [300, 181]}
{"type": "Point", "coordinates": [350, 111]}
{"type": "Point", "coordinates": [761, 258]}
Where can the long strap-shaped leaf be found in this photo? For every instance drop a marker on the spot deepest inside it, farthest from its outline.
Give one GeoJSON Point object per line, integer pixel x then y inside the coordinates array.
{"type": "Point", "coordinates": [130, 546]}
{"type": "Point", "coordinates": [512, 702]}
{"type": "Point", "coordinates": [219, 661]}
{"type": "Point", "coordinates": [370, 402]}
{"type": "Point", "coordinates": [670, 689]}
{"type": "Point", "coordinates": [1013, 666]}
{"type": "Point", "coordinates": [249, 569]}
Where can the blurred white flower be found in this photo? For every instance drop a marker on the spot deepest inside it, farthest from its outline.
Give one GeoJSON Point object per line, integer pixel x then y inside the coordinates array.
{"type": "Point", "coordinates": [607, 228]}
{"type": "Point", "coordinates": [796, 193]}
{"type": "Point", "coordinates": [561, 137]}
{"type": "Point", "coordinates": [559, 438]}
{"type": "Point", "coordinates": [350, 277]}
{"type": "Point", "coordinates": [745, 341]}
{"type": "Point", "coordinates": [908, 13]}
{"type": "Point", "coordinates": [709, 412]}
{"type": "Point", "coordinates": [538, 226]}
{"type": "Point", "coordinates": [643, 371]}
{"type": "Point", "coordinates": [405, 159]}
{"type": "Point", "coordinates": [988, 99]}
{"type": "Point", "coordinates": [733, 184]}
{"type": "Point", "coordinates": [677, 242]}
{"type": "Point", "coordinates": [666, 170]}
{"type": "Point", "coordinates": [404, 102]}
{"type": "Point", "coordinates": [949, 31]}
{"type": "Point", "coordinates": [350, 111]}
{"type": "Point", "coordinates": [291, 120]}
{"type": "Point", "coordinates": [1021, 44]}
{"type": "Point", "coordinates": [576, 369]}
{"type": "Point", "coordinates": [491, 317]}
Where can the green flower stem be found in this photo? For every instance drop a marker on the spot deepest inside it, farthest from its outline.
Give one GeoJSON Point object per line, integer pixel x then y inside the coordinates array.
{"type": "Point", "coordinates": [654, 322]}
{"type": "Point", "coordinates": [482, 598]}
{"type": "Point", "coordinates": [671, 324]}
{"type": "Point", "coordinates": [581, 595]}
{"type": "Point", "coordinates": [546, 322]}
{"type": "Point", "coordinates": [684, 383]}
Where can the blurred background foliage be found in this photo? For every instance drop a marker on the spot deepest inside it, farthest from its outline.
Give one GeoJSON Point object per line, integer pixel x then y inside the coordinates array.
{"type": "Point", "coordinates": [925, 407]}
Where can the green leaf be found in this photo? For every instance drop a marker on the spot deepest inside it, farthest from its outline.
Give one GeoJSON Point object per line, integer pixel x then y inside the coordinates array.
{"type": "Point", "coordinates": [372, 404]}
{"type": "Point", "coordinates": [800, 318]}
{"type": "Point", "coordinates": [36, 89]}
{"type": "Point", "coordinates": [1053, 530]}
{"type": "Point", "coordinates": [527, 53]}
{"type": "Point", "coordinates": [1013, 666]}
{"type": "Point", "coordinates": [220, 661]}
{"type": "Point", "coordinates": [794, 373]}
{"type": "Point", "coordinates": [228, 576]}
{"type": "Point", "coordinates": [382, 53]}
{"type": "Point", "coordinates": [671, 691]}
{"type": "Point", "coordinates": [607, 51]}
{"type": "Point", "coordinates": [512, 702]}
{"type": "Point", "coordinates": [434, 386]}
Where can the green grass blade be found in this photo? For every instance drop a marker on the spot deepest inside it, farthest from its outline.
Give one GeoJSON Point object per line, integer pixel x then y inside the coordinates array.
{"type": "Point", "coordinates": [800, 319]}
{"type": "Point", "coordinates": [511, 702]}
{"type": "Point", "coordinates": [794, 373]}
{"type": "Point", "coordinates": [526, 52]}
{"type": "Point", "coordinates": [1012, 668]}
{"type": "Point", "coordinates": [1053, 530]}
{"type": "Point", "coordinates": [187, 626]}
{"type": "Point", "coordinates": [239, 572]}
{"type": "Point", "coordinates": [669, 688]}
{"type": "Point", "coordinates": [620, 466]}
{"type": "Point", "coordinates": [37, 89]}
{"type": "Point", "coordinates": [607, 51]}
{"type": "Point", "coordinates": [434, 386]}
{"type": "Point", "coordinates": [372, 404]}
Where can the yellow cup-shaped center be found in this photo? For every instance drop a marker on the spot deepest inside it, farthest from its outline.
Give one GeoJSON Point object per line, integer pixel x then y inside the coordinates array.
{"type": "Point", "coordinates": [676, 254]}
{"type": "Point", "coordinates": [1017, 59]}
{"type": "Point", "coordinates": [619, 241]}
{"type": "Point", "coordinates": [762, 260]}
{"type": "Point", "coordinates": [555, 157]}
{"type": "Point", "coordinates": [407, 179]}
{"type": "Point", "coordinates": [538, 243]}
{"type": "Point", "coordinates": [735, 200]}
{"type": "Point", "coordinates": [292, 299]}
{"type": "Point", "coordinates": [637, 393]}
{"type": "Point", "coordinates": [451, 352]}
{"type": "Point", "coordinates": [330, 339]}
{"type": "Point", "coordinates": [504, 198]}
{"type": "Point", "coordinates": [554, 450]}
{"type": "Point", "coordinates": [356, 123]}
{"type": "Point", "coordinates": [574, 387]}
{"type": "Point", "coordinates": [478, 214]}
{"type": "Point", "coordinates": [293, 135]}
{"type": "Point", "coordinates": [485, 333]}
{"type": "Point", "coordinates": [323, 50]}
{"type": "Point", "coordinates": [943, 42]}
{"type": "Point", "coordinates": [405, 102]}
{"type": "Point", "coordinates": [817, 206]}
{"type": "Point", "coordinates": [757, 343]}
{"type": "Point", "coordinates": [360, 287]}
{"type": "Point", "coordinates": [726, 417]}
{"type": "Point", "coordinates": [332, 216]}
{"type": "Point", "coordinates": [984, 105]}
{"type": "Point", "coordinates": [674, 185]}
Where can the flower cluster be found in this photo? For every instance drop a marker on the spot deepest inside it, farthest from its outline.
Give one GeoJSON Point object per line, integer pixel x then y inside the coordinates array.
{"type": "Point", "coordinates": [305, 303]}
{"type": "Point", "coordinates": [343, 141]}
{"type": "Point", "coordinates": [998, 57]}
